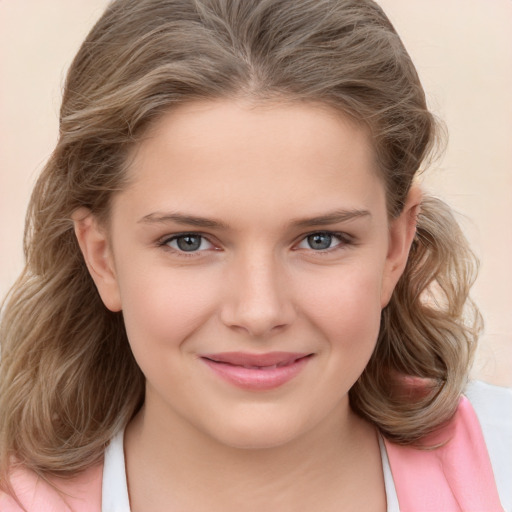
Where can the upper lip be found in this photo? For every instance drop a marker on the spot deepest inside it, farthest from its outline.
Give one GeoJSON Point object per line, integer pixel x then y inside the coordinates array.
{"type": "Point", "coordinates": [255, 360]}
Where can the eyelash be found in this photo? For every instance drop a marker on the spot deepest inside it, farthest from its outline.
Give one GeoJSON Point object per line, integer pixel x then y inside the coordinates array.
{"type": "Point", "coordinates": [344, 239]}
{"type": "Point", "coordinates": [164, 243]}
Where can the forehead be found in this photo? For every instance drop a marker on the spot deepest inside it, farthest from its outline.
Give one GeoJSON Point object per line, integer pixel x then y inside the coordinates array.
{"type": "Point", "coordinates": [209, 127]}
{"type": "Point", "coordinates": [242, 154]}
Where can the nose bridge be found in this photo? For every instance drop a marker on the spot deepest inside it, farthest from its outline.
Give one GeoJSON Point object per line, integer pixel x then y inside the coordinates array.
{"type": "Point", "coordinates": [257, 300]}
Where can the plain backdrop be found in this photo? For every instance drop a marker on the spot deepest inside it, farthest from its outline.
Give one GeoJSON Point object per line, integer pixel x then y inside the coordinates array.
{"type": "Point", "coordinates": [463, 52]}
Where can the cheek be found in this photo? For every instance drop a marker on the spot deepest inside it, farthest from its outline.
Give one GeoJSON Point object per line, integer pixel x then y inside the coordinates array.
{"type": "Point", "coordinates": [161, 306]}
{"type": "Point", "coordinates": [346, 307]}
{"type": "Point", "coordinates": [344, 311]}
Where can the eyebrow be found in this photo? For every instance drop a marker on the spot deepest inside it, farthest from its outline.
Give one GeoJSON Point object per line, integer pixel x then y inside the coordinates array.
{"type": "Point", "coordinates": [184, 219]}
{"type": "Point", "coordinates": [334, 217]}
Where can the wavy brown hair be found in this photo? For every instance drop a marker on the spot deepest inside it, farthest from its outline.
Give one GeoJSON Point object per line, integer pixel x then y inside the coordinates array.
{"type": "Point", "coordinates": [68, 380]}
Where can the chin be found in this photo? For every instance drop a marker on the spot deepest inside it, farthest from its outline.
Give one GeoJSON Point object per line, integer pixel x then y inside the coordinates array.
{"type": "Point", "coordinates": [264, 440]}
{"type": "Point", "coordinates": [257, 432]}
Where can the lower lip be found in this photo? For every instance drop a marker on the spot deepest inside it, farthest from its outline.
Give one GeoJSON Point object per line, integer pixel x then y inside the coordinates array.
{"type": "Point", "coordinates": [257, 379]}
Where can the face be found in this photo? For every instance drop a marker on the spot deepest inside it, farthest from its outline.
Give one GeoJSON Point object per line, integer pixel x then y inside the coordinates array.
{"type": "Point", "coordinates": [251, 255]}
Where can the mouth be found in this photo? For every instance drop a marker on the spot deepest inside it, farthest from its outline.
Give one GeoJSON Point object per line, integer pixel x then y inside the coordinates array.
{"type": "Point", "coordinates": [257, 372]}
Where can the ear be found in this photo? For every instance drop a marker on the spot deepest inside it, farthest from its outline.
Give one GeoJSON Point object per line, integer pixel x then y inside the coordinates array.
{"type": "Point", "coordinates": [94, 244]}
{"type": "Point", "coordinates": [402, 230]}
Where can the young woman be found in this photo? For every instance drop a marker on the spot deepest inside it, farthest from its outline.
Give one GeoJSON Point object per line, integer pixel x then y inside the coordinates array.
{"type": "Point", "coordinates": [236, 296]}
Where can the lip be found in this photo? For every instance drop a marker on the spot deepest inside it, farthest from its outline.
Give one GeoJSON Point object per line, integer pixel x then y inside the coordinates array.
{"type": "Point", "coordinates": [257, 372]}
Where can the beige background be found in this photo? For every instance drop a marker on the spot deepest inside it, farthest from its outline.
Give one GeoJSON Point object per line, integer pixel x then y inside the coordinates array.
{"type": "Point", "coordinates": [463, 51]}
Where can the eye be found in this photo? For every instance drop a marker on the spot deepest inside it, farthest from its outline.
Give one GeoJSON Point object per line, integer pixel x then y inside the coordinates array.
{"type": "Point", "coordinates": [322, 241]}
{"type": "Point", "coordinates": [188, 242]}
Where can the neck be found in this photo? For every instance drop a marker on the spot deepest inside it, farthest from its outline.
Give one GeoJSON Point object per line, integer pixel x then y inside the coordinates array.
{"type": "Point", "coordinates": [199, 473]}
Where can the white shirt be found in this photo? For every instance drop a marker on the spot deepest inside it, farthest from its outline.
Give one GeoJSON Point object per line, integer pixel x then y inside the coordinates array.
{"type": "Point", "coordinates": [493, 406]}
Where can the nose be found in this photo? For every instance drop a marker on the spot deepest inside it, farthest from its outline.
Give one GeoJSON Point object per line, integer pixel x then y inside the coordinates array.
{"type": "Point", "coordinates": [257, 298]}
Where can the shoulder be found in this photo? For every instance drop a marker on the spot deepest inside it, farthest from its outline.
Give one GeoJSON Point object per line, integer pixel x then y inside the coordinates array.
{"type": "Point", "coordinates": [81, 493]}
{"type": "Point", "coordinates": [492, 404]}
{"type": "Point", "coordinates": [466, 463]}
{"type": "Point", "coordinates": [493, 407]}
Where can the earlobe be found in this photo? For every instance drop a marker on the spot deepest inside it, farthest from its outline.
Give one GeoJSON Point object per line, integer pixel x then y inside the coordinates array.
{"type": "Point", "coordinates": [95, 247]}
{"type": "Point", "coordinates": [401, 235]}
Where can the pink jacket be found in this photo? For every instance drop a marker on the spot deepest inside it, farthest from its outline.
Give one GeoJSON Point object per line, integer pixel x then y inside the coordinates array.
{"type": "Point", "coordinates": [457, 477]}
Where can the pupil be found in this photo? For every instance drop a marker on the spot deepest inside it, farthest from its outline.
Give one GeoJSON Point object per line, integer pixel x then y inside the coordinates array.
{"type": "Point", "coordinates": [319, 241]}
{"type": "Point", "coordinates": [189, 242]}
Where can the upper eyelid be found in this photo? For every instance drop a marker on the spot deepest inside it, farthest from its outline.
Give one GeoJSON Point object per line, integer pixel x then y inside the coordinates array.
{"type": "Point", "coordinates": [167, 238]}
{"type": "Point", "coordinates": [342, 235]}
{"type": "Point", "coordinates": [327, 232]}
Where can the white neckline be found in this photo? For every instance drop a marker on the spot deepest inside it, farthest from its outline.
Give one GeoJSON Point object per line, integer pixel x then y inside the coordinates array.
{"type": "Point", "coordinates": [115, 490]}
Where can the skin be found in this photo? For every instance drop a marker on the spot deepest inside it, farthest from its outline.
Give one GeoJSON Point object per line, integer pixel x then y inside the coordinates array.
{"type": "Point", "coordinates": [264, 174]}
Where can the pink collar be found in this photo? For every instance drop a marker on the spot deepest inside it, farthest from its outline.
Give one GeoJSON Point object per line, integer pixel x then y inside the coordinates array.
{"type": "Point", "coordinates": [455, 477]}
{"type": "Point", "coordinates": [82, 493]}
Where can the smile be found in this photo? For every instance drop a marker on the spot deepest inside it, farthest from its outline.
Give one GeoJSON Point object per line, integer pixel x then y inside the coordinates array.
{"type": "Point", "coordinates": [257, 372]}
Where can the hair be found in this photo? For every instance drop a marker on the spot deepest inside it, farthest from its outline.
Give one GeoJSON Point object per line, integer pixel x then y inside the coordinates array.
{"type": "Point", "coordinates": [68, 380]}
